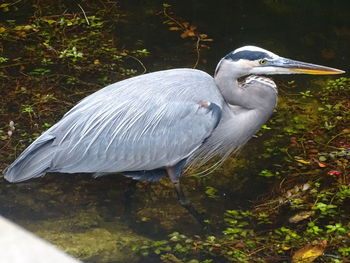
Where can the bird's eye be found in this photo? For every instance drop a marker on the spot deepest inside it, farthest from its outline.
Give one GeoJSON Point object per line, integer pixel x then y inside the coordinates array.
{"type": "Point", "coordinates": [262, 61]}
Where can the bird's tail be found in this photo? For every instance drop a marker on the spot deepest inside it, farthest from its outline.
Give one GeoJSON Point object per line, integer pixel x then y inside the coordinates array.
{"type": "Point", "coordinates": [32, 162]}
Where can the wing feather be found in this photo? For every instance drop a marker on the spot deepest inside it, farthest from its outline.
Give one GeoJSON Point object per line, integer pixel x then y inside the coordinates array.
{"type": "Point", "coordinates": [123, 128]}
{"type": "Point", "coordinates": [157, 138]}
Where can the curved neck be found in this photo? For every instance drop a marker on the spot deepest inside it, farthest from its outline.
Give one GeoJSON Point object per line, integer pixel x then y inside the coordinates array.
{"type": "Point", "coordinates": [226, 80]}
{"type": "Point", "coordinates": [257, 93]}
{"type": "Point", "coordinates": [246, 109]}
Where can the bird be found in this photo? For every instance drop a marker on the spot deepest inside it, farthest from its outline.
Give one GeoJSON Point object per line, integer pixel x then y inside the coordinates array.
{"type": "Point", "coordinates": [156, 124]}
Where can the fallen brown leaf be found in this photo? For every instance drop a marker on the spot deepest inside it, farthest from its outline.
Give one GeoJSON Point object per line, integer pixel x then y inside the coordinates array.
{"type": "Point", "coordinates": [300, 216]}
{"type": "Point", "coordinates": [309, 253]}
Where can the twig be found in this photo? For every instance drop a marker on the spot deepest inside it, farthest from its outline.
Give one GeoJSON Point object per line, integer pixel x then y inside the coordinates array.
{"type": "Point", "coordinates": [139, 61]}
{"type": "Point", "coordinates": [13, 65]}
{"type": "Point", "coordinates": [15, 3]}
{"type": "Point", "coordinates": [173, 19]}
{"type": "Point", "coordinates": [60, 15]}
{"type": "Point", "coordinates": [6, 144]}
{"type": "Point", "coordinates": [334, 137]}
{"type": "Point", "coordinates": [87, 20]}
{"type": "Point", "coordinates": [332, 256]}
{"type": "Point", "coordinates": [197, 51]}
{"type": "Point", "coordinates": [185, 28]}
{"type": "Point", "coordinates": [329, 146]}
{"type": "Point", "coordinates": [257, 250]}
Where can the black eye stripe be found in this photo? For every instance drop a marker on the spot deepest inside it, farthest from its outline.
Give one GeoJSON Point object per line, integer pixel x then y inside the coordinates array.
{"type": "Point", "coordinates": [249, 55]}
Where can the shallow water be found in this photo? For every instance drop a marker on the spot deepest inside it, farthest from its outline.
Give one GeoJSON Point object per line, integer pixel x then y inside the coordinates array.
{"type": "Point", "coordinates": [86, 217]}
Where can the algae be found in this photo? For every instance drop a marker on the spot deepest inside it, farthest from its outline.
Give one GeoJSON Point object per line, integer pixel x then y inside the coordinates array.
{"type": "Point", "coordinates": [88, 236]}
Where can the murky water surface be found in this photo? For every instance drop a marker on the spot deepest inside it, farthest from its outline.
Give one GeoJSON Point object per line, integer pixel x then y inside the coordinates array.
{"type": "Point", "coordinates": [87, 216]}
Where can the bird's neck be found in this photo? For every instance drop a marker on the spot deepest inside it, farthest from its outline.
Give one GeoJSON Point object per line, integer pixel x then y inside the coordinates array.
{"type": "Point", "coordinates": [235, 128]}
{"type": "Point", "coordinates": [226, 81]}
{"type": "Point", "coordinates": [257, 93]}
{"type": "Point", "coordinates": [248, 108]}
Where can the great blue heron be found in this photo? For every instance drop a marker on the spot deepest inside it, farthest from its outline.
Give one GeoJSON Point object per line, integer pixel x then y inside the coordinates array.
{"type": "Point", "coordinates": [153, 125]}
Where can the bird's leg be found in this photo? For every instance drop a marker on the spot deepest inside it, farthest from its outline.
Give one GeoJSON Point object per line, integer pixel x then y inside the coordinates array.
{"type": "Point", "coordinates": [182, 199]}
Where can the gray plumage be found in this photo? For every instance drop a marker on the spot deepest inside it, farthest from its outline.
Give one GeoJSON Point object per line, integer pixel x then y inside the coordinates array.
{"type": "Point", "coordinates": [173, 118]}
{"type": "Point", "coordinates": [116, 129]}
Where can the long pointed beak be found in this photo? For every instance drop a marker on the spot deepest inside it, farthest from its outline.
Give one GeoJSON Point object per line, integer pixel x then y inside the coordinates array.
{"type": "Point", "coordinates": [298, 67]}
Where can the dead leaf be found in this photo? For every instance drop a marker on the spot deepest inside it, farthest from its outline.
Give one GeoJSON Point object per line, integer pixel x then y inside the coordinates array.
{"type": "Point", "coordinates": [184, 34]}
{"type": "Point", "coordinates": [284, 247]}
{"type": "Point", "coordinates": [240, 245]}
{"type": "Point", "coordinates": [50, 21]}
{"type": "Point", "coordinates": [187, 33]}
{"type": "Point", "coordinates": [300, 216]}
{"type": "Point", "coordinates": [303, 161]}
{"type": "Point", "coordinates": [322, 165]}
{"type": "Point", "coordinates": [21, 34]}
{"type": "Point", "coordinates": [27, 27]}
{"type": "Point", "coordinates": [186, 24]}
{"type": "Point", "coordinates": [174, 28]}
{"type": "Point", "coordinates": [23, 28]}
{"type": "Point", "coordinates": [309, 253]}
{"type": "Point", "coordinates": [4, 5]}
{"type": "Point", "coordinates": [294, 142]}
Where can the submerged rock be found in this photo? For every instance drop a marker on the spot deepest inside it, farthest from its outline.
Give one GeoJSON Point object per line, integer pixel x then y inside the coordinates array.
{"type": "Point", "coordinates": [88, 237]}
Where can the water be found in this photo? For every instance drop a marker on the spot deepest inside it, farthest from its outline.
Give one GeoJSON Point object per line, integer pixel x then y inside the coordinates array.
{"type": "Point", "coordinates": [305, 31]}
{"type": "Point", "coordinates": [86, 217]}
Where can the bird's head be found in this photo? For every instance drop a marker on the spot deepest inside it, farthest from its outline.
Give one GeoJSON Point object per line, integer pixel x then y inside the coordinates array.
{"type": "Point", "coordinates": [254, 60]}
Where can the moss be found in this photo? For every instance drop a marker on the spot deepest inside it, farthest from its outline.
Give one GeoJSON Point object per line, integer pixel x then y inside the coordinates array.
{"type": "Point", "coordinates": [87, 236]}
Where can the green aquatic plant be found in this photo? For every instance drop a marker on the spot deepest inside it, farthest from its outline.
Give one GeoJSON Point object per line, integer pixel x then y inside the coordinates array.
{"type": "Point", "coordinates": [72, 53]}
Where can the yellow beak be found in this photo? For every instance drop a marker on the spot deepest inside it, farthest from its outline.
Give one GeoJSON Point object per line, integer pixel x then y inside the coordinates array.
{"type": "Point", "coordinates": [298, 67]}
